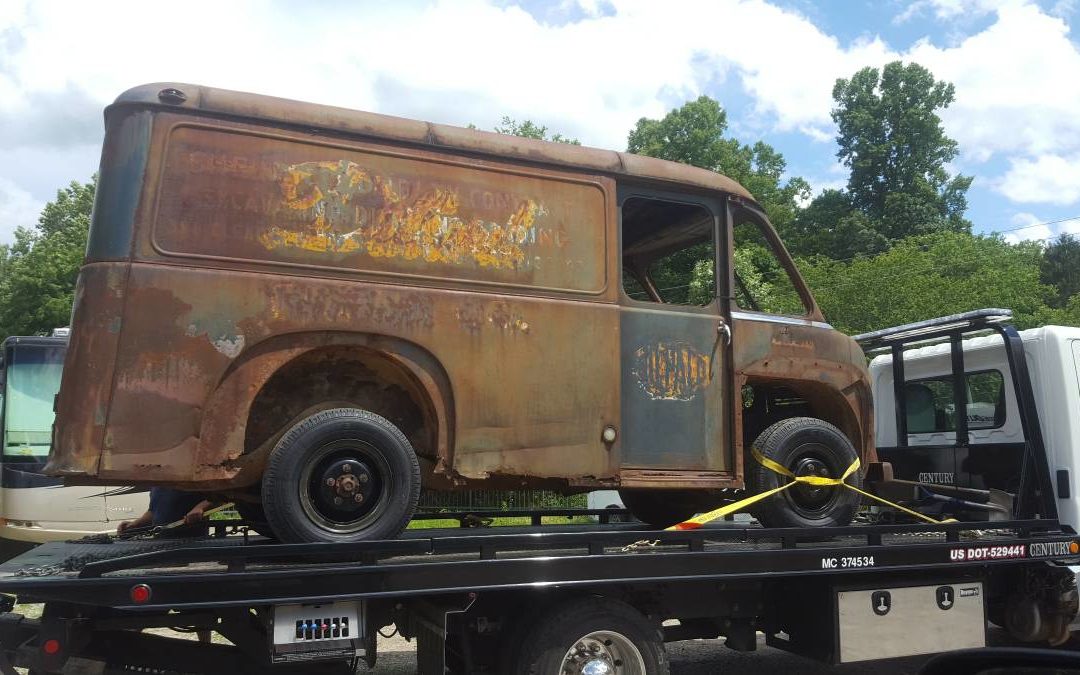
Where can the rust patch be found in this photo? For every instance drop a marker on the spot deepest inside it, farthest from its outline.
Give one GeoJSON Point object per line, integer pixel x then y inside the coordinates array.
{"type": "Point", "coordinates": [672, 371]}
{"type": "Point", "coordinates": [347, 208]}
{"type": "Point", "coordinates": [474, 316]}
{"type": "Point", "coordinates": [306, 305]}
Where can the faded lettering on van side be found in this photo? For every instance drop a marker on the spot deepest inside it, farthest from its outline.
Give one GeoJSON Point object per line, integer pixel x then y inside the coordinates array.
{"type": "Point", "coordinates": [673, 371]}
{"type": "Point", "coordinates": [350, 208]}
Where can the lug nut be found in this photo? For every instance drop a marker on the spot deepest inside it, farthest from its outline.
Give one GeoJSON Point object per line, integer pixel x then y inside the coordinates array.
{"type": "Point", "coordinates": [337, 501]}
{"type": "Point", "coordinates": [347, 468]}
{"type": "Point", "coordinates": [358, 498]}
{"type": "Point", "coordinates": [329, 482]}
{"type": "Point", "coordinates": [363, 478]}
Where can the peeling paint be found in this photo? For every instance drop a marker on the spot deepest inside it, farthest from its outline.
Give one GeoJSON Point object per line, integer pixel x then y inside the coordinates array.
{"type": "Point", "coordinates": [671, 371]}
{"type": "Point", "coordinates": [229, 347]}
{"type": "Point", "coordinates": [224, 338]}
{"type": "Point", "coordinates": [348, 208]}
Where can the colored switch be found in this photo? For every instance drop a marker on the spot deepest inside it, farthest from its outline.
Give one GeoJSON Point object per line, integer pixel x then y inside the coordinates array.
{"type": "Point", "coordinates": [299, 630]}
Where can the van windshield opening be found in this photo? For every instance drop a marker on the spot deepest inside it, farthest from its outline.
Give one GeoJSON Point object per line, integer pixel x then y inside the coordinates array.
{"type": "Point", "coordinates": [31, 382]}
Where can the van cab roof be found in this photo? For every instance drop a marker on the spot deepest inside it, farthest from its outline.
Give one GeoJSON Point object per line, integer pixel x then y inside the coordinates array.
{"type": "Point", "coordinates": [285, 111]}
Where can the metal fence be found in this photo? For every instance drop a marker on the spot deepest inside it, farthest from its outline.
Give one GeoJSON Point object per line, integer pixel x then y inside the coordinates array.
{"type": "Point", "coordinates": [457, 500]}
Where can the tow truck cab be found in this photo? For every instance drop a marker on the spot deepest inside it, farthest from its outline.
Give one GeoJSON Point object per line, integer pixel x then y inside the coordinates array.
{"type": "Point", "coordinates": [991, 458]}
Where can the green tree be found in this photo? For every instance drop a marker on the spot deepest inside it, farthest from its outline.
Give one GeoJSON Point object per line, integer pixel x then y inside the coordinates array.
{"type": "Point", "coordinates": [1060, 268]}
{"type": "Point", "coordinates": [932, 275]}
{"type": "Point", "coordinates": [529, 129]}
{"type": "Point", "coordinates": [831, 226]}
{"type": "Point", "coordinates": [892, 140]}
{"type": "Point", "coordinates": [694, 134]}
{"type": "Point", "coordinates": [40, 268]}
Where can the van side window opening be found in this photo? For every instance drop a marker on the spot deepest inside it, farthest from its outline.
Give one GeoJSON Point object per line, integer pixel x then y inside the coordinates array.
{"type": "Point", "coordinates": [668, 252]}
{"type": "Point", "coordinates": [930, 406]}
{"type": "Point", "coordinates": [761, 282]}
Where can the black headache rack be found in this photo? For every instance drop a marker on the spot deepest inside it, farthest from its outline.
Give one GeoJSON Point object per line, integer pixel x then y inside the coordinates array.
{"type": "Point", "coordinates": [234, 572]}
{"type": "Point", "coordinates": [1035, 496]}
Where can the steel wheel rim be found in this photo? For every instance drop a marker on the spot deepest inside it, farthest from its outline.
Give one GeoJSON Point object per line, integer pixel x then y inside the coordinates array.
{"type": "Point", "coordinates": [338, 520]}
{"type": "Point", "coordinates": [591, 652]}
{"type": "Point", "coordinates": [808, 501]}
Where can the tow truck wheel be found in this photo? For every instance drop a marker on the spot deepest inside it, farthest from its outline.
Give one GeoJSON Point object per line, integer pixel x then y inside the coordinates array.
{"type": "Point", "coordinates": [341, 475]}
{"type": "Point", "coordinates": [805, 446]}
{"type": "Point", "coordinates": [660, 508]}
{"type": "Point", "coordinates": [592, 636]}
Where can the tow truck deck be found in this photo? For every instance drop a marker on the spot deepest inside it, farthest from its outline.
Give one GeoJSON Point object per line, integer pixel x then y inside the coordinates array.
{"type": "Point", "coordinates": [601, 597]}
{"type": "Point", "coordinates": [446, 586]}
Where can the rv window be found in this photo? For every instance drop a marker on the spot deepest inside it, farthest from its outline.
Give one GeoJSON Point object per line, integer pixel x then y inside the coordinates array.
{"type": "Point", "coordinates": [930, 405]}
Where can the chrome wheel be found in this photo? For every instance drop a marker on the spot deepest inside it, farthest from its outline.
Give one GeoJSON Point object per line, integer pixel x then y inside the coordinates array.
{"type": "Point", "coordinates": [603, 652]}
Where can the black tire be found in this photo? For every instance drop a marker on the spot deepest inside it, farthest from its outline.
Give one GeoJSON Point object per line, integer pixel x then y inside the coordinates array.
{"type": "Point", "coordinates": [661, 508]}
{"type": "Point", "coordinates": [559, 630]}
{"type": "Point", "coordinates": [254, 513]}
{"type": "Point", "coordinates": [804, 445]}
{"type": "Point", "coordinates": [333, 445]}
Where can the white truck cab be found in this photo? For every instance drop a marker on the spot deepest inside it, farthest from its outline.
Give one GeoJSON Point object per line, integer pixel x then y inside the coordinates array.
{"type": "Point", "coordinates": [992, 457]}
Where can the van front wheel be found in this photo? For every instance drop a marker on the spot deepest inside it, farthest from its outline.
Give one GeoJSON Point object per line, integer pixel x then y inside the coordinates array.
{"type": "Point", "coordinates": [805, 446]}
{"type": "Point", "coordinates": [341, 475]}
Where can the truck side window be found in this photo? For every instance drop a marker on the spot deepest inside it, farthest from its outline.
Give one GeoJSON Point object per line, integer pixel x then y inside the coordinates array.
{"type": "Point", "coordinates": [761, 282]}
{"type": "Point", "coordinates": [930, 405]}
{"type": "Point", "coordinates": [668, 252]}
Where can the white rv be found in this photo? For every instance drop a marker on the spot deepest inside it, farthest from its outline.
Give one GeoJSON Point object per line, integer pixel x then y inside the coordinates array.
{"type": "Point", "coordinates": [35, 508]}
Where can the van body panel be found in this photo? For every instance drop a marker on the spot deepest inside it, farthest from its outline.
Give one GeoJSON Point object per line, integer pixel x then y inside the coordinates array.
{"type": "Point", "coordinates": [482, 272]}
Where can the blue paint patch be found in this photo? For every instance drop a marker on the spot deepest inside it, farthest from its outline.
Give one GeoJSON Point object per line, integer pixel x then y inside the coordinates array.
{"type": "Point", "coordinates": [123, 167]}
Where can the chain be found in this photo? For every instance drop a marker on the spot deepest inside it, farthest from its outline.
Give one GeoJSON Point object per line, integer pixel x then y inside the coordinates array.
{"type": "Point", "coordinates": [70, 564]}
{"type": "Point", "coordinates": [640, 545]}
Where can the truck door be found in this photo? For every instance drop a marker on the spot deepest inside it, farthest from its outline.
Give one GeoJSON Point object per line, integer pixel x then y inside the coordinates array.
{"type": "Point", "coordinates": [674, 335]}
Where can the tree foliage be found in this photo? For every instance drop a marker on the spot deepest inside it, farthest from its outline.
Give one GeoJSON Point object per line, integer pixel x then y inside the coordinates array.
{"type": "Point", "coordinates": [529, 129]}
{"type": "Point", "coordinates": [932, 275]}
{"type": "Point", "coordinates": [695, 134]}
{"type": "Point", "coordinates": [892, 140]}
{"type": "Point", "coordinates": [39, 270]}
{"type": "Point", "coordinates": [1060, 268]}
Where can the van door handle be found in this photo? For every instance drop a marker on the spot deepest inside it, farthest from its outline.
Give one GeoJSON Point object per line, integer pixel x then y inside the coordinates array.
{"type": "Point", "coordinates": [722, 329]}
{"type": "Point", "coordinates": [725, 330]}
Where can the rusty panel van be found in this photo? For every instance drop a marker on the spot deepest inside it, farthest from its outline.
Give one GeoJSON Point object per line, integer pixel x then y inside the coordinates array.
{"type": "Point", "coordinates": [316, 312]}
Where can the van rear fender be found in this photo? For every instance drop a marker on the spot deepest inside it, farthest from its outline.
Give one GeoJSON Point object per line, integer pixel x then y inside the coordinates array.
{"type": "Point", "coordinates": [223, 453]}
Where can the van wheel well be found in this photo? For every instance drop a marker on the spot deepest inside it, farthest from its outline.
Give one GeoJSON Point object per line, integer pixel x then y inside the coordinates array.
{"type": "Point", "coordinates": [765, 403]}
{"type": "Point", "coordinates": [338, 375]}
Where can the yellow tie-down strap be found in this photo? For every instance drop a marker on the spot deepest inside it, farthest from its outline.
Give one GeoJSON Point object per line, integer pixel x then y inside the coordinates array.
{"type": "Point", "coordinates": [819, 481]}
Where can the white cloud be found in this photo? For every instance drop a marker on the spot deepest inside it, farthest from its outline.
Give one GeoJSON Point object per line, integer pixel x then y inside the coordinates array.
{"type": "Point", "coordinates": [1030, 227]}
{"type": "Point", "coordinates": [17, 207]}
{"type": "Point", "coordinates": [948, 10]}
{"type": "Point", "coordinates": [1027, 227]}
{"type": "Point", "coordinates": [473, 61]}
{"type": "Point", "coordinates": [1048, 178]}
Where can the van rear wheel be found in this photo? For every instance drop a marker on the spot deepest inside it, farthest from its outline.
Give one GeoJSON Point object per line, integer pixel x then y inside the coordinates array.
{"type": "Point", "coordinates": [341, 475]}
{"type": "Point", "coordinates": [805, 446]}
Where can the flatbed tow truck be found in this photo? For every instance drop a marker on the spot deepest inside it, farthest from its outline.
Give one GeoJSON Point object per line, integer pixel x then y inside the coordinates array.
{"type": "Point", "coordinates": [590, 599]}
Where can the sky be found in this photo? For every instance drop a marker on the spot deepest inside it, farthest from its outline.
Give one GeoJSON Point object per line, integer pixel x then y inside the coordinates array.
{"type": "Point", "coordinates": [588, 69]}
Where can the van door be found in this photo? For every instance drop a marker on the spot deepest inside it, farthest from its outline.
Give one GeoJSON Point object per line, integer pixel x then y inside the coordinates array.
{"type": "Point", "coordinates": [674, 336]}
